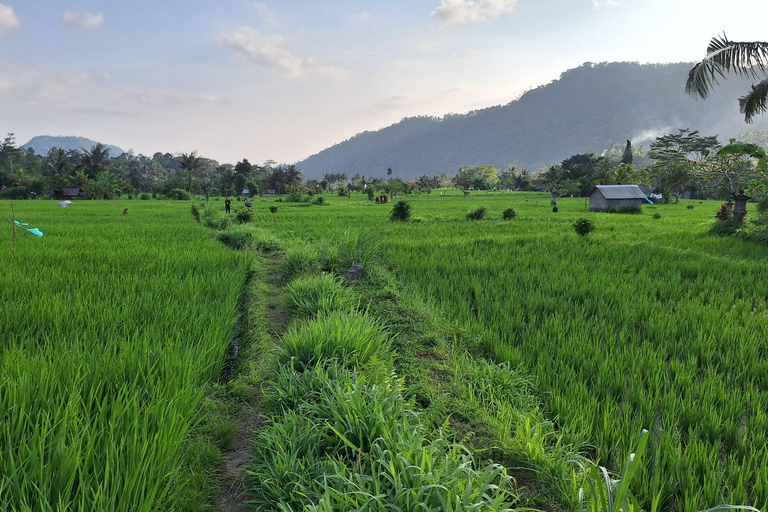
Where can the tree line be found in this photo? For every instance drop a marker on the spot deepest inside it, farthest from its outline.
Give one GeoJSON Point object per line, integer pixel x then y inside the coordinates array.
{"type": "Point", "coordinates": [681, 164]}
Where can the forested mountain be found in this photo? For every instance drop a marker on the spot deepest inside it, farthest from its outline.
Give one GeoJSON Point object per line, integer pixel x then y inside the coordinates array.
{"type": "Point", "coordinates": [42, 144]}
{"type": "Point", "coordinates": [587, 109]}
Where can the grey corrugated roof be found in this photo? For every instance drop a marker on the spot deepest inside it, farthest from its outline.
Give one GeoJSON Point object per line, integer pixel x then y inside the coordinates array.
{"type": "Point", "coordinates": [621, 191]}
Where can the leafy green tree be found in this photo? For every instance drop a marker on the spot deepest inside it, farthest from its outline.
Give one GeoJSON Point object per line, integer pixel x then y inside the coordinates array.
{"type": "Point", "coordinates": [243, 168]}
{"type": "Point", "coordinates": [483, 177]}
{"type": "Point", "coordinates": [677, 156]}
{"type": "Point", "coordinates": [556, 181]}
{"type": "Point", "coordinates": [748, 60]}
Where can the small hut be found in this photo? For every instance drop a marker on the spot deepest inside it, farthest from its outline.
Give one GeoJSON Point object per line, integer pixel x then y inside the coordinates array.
{"type": "Point", "coordinates": [605, 197]}
{"type": "Point", "coordinates": [73, 193]}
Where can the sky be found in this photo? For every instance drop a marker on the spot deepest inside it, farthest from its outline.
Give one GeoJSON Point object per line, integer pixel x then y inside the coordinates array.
{"type": "Point", "coordinates": [282, 80]}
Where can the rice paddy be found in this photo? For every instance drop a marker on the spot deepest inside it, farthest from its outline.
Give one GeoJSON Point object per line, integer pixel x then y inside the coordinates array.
{"type": "Point", "coordinates": [646, 323]}
{"type": "Point", "coordinates": [111, 325]}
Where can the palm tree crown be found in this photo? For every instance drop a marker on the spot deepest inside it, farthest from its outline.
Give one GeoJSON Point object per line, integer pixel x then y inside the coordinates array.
{"type": "Point", "coordinates": [748, 60]}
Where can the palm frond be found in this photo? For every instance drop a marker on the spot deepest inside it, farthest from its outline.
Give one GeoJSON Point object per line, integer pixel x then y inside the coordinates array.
{"type": "Point", "coordinates": [756, 102]}
{"type": "Point", "coordinates": [724, 56]}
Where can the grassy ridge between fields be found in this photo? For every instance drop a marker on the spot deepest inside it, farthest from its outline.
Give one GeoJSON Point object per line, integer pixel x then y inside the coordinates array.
{"type": "Point", "coordinates": [111, 328]}
{"type": "Point", "coordinates": [372, 402]}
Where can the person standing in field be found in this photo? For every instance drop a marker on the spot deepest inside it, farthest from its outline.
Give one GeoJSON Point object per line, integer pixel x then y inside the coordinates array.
{"type": "Point", "coordinates": [227, 205]}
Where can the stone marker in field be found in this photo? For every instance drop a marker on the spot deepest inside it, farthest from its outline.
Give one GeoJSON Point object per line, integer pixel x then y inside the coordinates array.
{"type": "Point", "coordinates": [354, 272]}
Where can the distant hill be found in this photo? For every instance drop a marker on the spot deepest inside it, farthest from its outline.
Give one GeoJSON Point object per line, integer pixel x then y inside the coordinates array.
{"type": "Point", "coordinates": [45, 143]}
{"type": "Point", "coordinates": [585, 110]}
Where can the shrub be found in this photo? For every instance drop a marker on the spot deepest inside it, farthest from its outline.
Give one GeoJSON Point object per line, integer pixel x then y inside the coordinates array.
{"type": "Point", "coordinates": [298, 260]}
{"type": "Point", "coordinates": [725, 212]}
{"type": "Point", "coordinates": [584, 226]}
{"type": "Point", "coordinates": [308, 296]}
{"type": "Point", "coordinates": [318, 201]}
{"type": "Point", "coordinates": [401, 211]}
{"type": "Point", "coordinates": [724, 227]}
{"type": "Point", "coordinates": [555, 209]}
{"type": "Point", "coordinates": [478, 213]}
{"type": "Point", "coordinates": [145, 196]}
{"type": "Point", "coordinates": [273, 209]}
{"type": "Point", "coordinates": [690, 207]}
{"type": "Point", "coordinates": [195, 212]}
{"type": "Point", "coordinates": [657, 215]}
{"type": "Point", "coordinates": [178, 195]}
{"type": "Point", "coordinates": [244, 216]}
{"type": "Point", "coordinates": [626, 209]}
{"type": "Point", "coordinates": [15, 193]}
{"type": "Point", "coordinates": [509, 213]}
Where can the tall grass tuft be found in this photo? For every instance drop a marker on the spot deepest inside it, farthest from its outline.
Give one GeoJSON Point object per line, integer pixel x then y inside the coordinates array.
{"type": "Point", "coordinates": [300, 259]}
{"type": "Point", "coordinates": [308, 296]}
{"type": "Point", "coordinates": [355, 340]}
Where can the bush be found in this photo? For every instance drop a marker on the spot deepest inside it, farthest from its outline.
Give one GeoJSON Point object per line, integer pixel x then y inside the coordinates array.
{"type": "Point", "coordinates": [478, 213]}
{"type": "Point", "coordinates": [555, 209]}
{"type": "Point", "coordinates": [401, 211]}
{"type": "Point", "coordinates": [244, 216]}
{"type": "Point", "coordinates": [626, 209]}
{"type": "Point", "coordinates": [145, 197]}
{"type": "Point", "coordinates": [509, 213]}
{"type": "Point", "coordinates": [584, 226]}
{"type": "Point", "coordinates": [318, 201]}
{"type": "Point", "coordinates": [15, 193]}
{"type": "Point", "coordinates": [657, 215]}
{"type": "Point", "coordinates": [178, 195]}
{"type": "Point", "coordinates": [308, 296]}
{"type": "Point", "coordinates": [298, 260]}
{"type": "Point", "coordinates": [273, 209]}
{"type": "Point", "coordinates": [724, 227]}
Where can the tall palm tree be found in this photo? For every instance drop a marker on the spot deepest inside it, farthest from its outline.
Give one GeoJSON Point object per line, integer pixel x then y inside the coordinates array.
{"type": "Point", "coordinates": [95, 160]}
{"type": "Point", "coordinates": [191, 163]}
{"type": "Point", "coordinates": [748, 60]}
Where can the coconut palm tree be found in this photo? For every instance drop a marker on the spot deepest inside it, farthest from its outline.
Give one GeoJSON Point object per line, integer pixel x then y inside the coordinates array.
{"type": "Point", "coordinates": [748, 60]}
{"type": "Point", "coordinates": [191, 163]}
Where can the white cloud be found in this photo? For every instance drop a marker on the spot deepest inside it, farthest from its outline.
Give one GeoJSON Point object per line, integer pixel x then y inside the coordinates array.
{"type": "Point", "coordinates": [469, 54]}
{"type": "Point", "coordinates": [266, 13]}
{"type": "Point", "coordinates": [83, 20]}
{"type": "Point", "coordinates": [599, 4]}
{"type": "Point", "coordinates": [463, 12]}
{"type": "Point", "coordinates": [267, 51]}
{"type": "Point", "coordinates": [362, 17]}
{"type": "Point", "coordinates": [8, 20]}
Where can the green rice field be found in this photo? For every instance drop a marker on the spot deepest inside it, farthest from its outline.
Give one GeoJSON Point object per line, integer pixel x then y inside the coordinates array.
{"type": "Point", "coordinates": [645, 323]}
{"type": "Point", "coordinates": [110, 327]}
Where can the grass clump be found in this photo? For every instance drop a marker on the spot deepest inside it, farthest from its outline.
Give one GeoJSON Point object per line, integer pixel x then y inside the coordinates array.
{"type": "Point", "coordinates": [584, 226]}
{"type": "Point", "coordinates": [355, 340]}
{"type": "Point", "coordinates": [401, 212]}
{"type": "Point", "coordinates": [244, 216]}
{"type": "Point", "coordinates": [244, 236]}
{"type": "Point", "coordinates": [478, 213]}
{"type": "Point", "coordinates": [508, 214]}
{"type": "Point", "coordinates": [308, 296]}
{"type": "Point", "coordinates": [301, 259]}
{"type": "Point", "coordinates": [339, 251]}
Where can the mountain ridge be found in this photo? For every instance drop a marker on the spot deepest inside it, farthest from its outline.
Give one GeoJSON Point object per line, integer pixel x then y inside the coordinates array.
{"type": "Point", "coordinates": [42, 144]}
{"type": "Point", "coordinates": [586, 109]}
